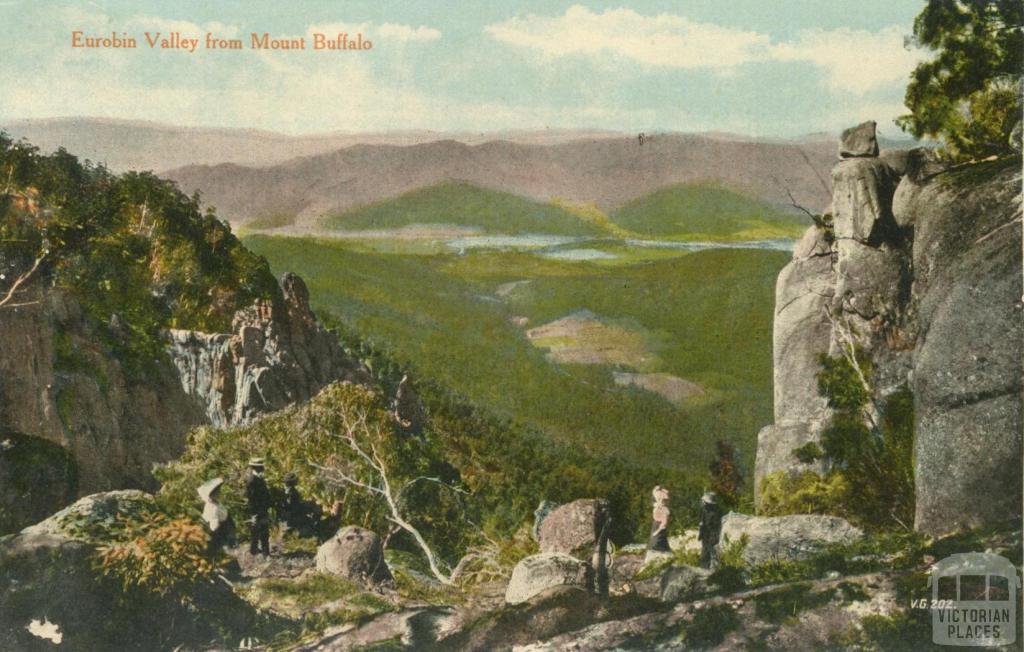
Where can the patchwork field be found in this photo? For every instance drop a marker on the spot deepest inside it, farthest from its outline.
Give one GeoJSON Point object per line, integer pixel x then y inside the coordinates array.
{"type": "Point", "coordinates": [649, 353]}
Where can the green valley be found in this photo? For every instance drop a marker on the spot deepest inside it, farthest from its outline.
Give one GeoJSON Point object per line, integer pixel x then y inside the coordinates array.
{"type": "Point", "coordinates": [698, 319]}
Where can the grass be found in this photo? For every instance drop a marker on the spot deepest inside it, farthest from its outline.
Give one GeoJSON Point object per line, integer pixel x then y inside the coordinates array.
{"type": "Point", "coordinates": [463, 204]}
{"type": "Point", "coordinates": [707, 315]}
{"type": "Point", "coordinates": [705, 212]}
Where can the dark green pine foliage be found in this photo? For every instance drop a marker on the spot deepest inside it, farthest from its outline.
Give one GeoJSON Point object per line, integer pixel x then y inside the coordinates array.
{"type": "Point", "coordinates": [969, 94]}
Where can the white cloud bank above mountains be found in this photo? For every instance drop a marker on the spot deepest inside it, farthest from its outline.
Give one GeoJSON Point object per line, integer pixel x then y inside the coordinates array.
{"type": "Point", "coordinates": [854, 61]}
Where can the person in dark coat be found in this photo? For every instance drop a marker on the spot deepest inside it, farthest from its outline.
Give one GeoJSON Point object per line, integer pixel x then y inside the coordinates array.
{"type": "Point", "coordinates": [257, 504]}
{"type": "Point", "coordinates": [298, 514]}
{"type": "Point", "coordinates": [710, 529]}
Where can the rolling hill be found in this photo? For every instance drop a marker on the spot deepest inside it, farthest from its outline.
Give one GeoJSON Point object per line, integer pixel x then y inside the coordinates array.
{"type": "Point", "coordinates": [606, 172]}
{"type": "Point", "coordinates": [463, 204]}
{"type": "Point", "coordinates": [706, 211]}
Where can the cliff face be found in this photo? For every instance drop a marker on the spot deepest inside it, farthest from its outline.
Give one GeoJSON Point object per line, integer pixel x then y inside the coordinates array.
{"type": "Point", "coordinates": [58, 384]}
{"type": "Point", "coordinates": [275, 356]}
{"type": "Point", "coordinates": [923, 273]}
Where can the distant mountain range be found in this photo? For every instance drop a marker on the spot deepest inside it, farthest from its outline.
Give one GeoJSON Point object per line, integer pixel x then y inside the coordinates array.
{"type": "Point", "coordinates": [299, 180]}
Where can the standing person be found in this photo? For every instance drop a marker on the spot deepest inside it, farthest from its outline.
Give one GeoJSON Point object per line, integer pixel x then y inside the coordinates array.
{"type": "Point", "coordinates": [710, 529]}
{"type": "Point", "coordinates": [658, 542]}
{"type": "Point", "coordinates": [257, 503]}
{"type": "Point", "coordinates": [298, 514]}
{"type": "Point", "coordinates": [222, 528]}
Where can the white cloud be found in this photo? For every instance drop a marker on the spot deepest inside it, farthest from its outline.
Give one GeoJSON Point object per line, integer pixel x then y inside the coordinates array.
{"type": "Point", "coordinates": [187, 28]}
{"type": "Point", "coordinates": [389, 32]}
{"type": "Point", "coordinates": [394, 32]}
{"type": "Point", "coordinates": [662, 40]}
{"type": "Point", "coordinates": [855, 61]}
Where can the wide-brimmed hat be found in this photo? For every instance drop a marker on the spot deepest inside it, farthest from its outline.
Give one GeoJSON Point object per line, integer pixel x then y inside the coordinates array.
{"type": "Point", "coordinates": [709, 497]}
{"type": "Point", "coordinates": [209, 487]}
{"type": "Point", "coordinates": [256, 463]}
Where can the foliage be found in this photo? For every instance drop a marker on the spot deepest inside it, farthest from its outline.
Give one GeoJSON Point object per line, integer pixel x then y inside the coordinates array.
{"type": "Point", "coordinates": [870, 469]}
{"type": "Point", "coordinates": [136, 253]}
{"type": "Point", "coordinates": [969, 94]}
{"type": "Point", "coordinates": [731, 572]}
{"type": "Point", "coordinates": [149, 551]}
{"type": "Point", "coordinates": [710, 625]}
{"type": "Point", "coordinates": [434, 316]}
{"type": "Point", "coordinates": [303, 440]}
{"type": "Point", "coordinates": [803, 493]}
{"type": "Point", "coordinates": [158, 554]}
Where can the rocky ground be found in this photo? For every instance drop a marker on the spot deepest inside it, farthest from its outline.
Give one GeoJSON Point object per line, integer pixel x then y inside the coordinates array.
{"type": "Point", "coordinates": [837, 589]}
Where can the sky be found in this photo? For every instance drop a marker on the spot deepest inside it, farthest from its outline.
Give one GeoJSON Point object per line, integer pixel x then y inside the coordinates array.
{"type": "Point", "coordinates": [773, 68]}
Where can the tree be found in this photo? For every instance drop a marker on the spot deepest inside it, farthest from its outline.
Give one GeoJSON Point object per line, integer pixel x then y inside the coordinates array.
{"type": "Point", "coordinates": [372, 465]}
{"type": "Point", "coordinates": [969, 95]}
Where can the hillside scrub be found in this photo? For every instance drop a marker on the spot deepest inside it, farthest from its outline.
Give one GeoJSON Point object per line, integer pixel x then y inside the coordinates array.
{"type": "Point", "coordinates": [870, 457]}
{"type": "Point", "coordinates": [709, 314]}
{"type": "Point", "coordinates": [137, 253]}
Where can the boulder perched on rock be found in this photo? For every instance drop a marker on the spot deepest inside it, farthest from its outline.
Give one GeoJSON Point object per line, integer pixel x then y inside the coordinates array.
{"type": "Point", "coordinates": [859, 141]}
{"type": "Point", "coordinates": [681, 583]}
{"type": "Point", "coordinates": [356, 554]}
{"type": "Point", "coordinates": [575, 528]}
{"type": "Point", "coordinates": [794, 537]}
{"type": "Point", "coordinates": [536, 573]}
{"type": "Point", "coordinates": [862, 191]}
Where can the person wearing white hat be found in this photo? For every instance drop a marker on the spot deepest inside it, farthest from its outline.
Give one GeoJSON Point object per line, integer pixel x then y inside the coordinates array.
{"type": "Point", "coordinates": [215, 514]}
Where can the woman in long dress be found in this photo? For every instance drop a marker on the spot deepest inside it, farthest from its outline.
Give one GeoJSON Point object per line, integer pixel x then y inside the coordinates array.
{"type": "Point", "coordinates": [658, 543]}
{"type": "Point", "coordinates": [216, 515]}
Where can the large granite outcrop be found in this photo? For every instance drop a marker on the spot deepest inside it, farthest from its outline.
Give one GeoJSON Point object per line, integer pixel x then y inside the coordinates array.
{"type": "Point", "coordinates": [922, 271]}
{"type": "Point", "coordinates": [276, 355]}
{"type": "Point", "coordinates": [968, 373]}
{"type": "Point", "coordinates": [58, 383]}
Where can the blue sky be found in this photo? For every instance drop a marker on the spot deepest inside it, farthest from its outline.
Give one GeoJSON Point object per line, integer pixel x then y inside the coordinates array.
{"type": "Point", "coordinates": [766, 68]}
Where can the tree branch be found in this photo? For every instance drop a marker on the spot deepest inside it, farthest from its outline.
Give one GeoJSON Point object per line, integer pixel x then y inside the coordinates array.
{"type": "Point", "coordinates": [18, 282]}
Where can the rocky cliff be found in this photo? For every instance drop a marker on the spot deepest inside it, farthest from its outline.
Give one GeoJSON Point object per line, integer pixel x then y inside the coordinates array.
{"type": "Point", "coordinates": [275, 356]}
{"type": "Point", "coordinates": [58, 383]}
{"type": "Point", "coordinates": [921, 270]}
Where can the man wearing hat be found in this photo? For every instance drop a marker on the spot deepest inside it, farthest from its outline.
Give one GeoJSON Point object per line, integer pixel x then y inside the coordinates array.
{"type": "Point", "coordinates": [710, 529]}
{"type": "Point", "coordinates": [257, 504]}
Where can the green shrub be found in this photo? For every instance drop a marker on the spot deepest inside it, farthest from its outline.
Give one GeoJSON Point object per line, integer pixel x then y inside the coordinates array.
{"type": "Point", "coordinates": [870, 476]}
{"type": "Point", "coordinates": [806, 492]}
{"type": "Point", "coordinates": [710, 626]}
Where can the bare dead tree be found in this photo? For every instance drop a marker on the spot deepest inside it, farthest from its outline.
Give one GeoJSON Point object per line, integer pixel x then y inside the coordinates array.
{"type": "Point", "coordinates": [359, 436]}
